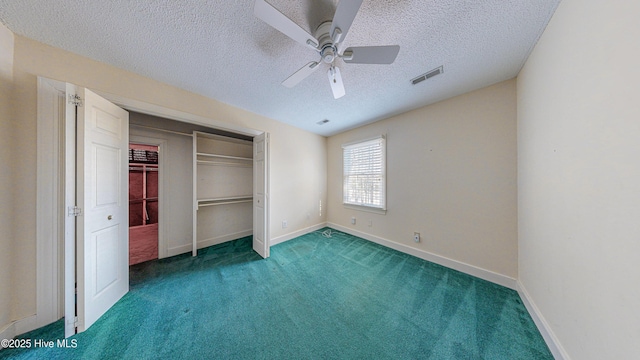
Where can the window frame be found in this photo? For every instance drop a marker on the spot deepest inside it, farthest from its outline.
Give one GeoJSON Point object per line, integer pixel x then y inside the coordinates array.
{"type": "Point", "coordinates": [370, 207]}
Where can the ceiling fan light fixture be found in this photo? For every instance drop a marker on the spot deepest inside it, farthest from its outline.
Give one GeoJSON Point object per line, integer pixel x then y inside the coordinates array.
{"type": "Point", "coordinates": [328, 54]}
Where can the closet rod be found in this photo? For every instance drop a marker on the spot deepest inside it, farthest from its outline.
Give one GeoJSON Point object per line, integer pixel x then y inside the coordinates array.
{"type": "Point", "coordinates": [222, 163]}
{"type": "Point", "coordinates": [157, 129]}
{"type": "Point", "coordinates": [225, 203]}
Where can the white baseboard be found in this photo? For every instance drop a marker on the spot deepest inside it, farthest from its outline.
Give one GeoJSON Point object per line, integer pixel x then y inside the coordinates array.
{"type": "Point", "coordinates": [484, 274]}
{"type": "Point", "coordinates": [181, 249]}
{"type": "Point", "coordinates": [177, 250]}
{"type": "Point", "coordinates": [295, 234]}
{"type": "Point", "coordinates": [8, 332]}
{"type": "Point", "coordinates": [19, 327]}
{"type": "Point", "coordinates": [543, 326]}
{"type": "Point", "coordinates": [27, 324]}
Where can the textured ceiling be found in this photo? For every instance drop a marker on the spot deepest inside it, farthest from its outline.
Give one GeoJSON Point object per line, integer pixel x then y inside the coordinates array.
{"type": "Point", "coordinates": [219, 49]}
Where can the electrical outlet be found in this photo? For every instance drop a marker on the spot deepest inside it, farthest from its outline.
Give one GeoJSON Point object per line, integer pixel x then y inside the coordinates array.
{"type": "Point", "coordinates": [370, 223]}
{"type": "Point", "coordinates": [284, 224]}
{"type": "Point", "coordinates": [308, 216]}
{"type": "Point", "coordinates": [416, 237]}
{"type": "Point", "coordinates": [353, 220]}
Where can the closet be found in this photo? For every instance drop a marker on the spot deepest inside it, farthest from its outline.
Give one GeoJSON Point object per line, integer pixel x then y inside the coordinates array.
{"type": "Point", "coordinates": [222, 189]}
{"type": "Point", "coordinates": [206, 184]}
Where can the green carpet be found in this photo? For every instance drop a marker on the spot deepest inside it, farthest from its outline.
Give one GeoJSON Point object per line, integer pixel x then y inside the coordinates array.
{"type": "Point", "coordinates": [314, 298]}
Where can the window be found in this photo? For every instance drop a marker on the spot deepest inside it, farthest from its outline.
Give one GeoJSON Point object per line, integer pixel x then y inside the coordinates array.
{"type": "Point", "coordinates": [364, 173]}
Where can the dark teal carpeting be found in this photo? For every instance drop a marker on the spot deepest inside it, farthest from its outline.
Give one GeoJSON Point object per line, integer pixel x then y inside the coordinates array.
{"type": "Point", "coordinates": [315, 298]}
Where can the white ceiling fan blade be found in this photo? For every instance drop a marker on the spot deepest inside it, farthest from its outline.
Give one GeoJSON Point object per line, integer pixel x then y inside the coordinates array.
{"type": "Point", "coordinates": [337, 87]}
{"type": "Point", "coordinates": [272, 16]}
{"type": "Point", "coordinates": [301, 74]}
{"type": "Point", "coordinates": [342, 19]}
{"type": "Point", "coordinates": [371, 54]}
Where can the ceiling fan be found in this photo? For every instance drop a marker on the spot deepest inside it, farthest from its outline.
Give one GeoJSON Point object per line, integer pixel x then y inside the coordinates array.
{"type": "Point", "coordinates": [326, 41]}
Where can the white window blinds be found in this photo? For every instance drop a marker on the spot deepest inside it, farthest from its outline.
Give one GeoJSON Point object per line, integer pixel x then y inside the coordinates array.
{"type": "Point", "coordinates": [364, 173]}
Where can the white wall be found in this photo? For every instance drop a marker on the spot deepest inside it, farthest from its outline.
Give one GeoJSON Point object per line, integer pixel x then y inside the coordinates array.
{"type": "Point", "coordinates": [451, 175]}
{"type": "Point", "coordinates": [298, 181]}
{"type": "Point", "coordinates": [6, 177]}
{"type": "Point", "coordinates": [579, 178]}
{"type": "Point", "coordinates": [297, 178]}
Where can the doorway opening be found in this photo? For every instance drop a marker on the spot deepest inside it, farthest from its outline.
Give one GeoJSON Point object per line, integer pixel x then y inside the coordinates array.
{"type": "Point", "coordinates": [143, 203]}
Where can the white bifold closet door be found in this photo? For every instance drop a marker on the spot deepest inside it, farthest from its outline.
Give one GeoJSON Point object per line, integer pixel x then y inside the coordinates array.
{"type": "Point", "coordinates": [102, 196]}
{"type": "Point", "coordinates": [261, 194]}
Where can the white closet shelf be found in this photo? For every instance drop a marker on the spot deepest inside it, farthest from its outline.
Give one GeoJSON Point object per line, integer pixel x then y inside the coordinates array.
{"type": "Point", "coordinates": [225, 156]}
{"type": "Point", "coordinates": [223, 163]}
{"type": "Point", "coordinates": [224, 201]}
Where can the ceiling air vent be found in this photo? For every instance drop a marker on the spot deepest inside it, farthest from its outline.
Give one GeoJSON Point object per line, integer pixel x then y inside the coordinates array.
{"type": "Point", "coordinates": [427, 75]}
{"type": "Point", "coordinates": [322, 122]}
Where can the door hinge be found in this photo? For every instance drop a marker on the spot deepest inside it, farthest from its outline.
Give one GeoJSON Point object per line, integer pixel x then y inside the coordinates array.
{"type": "Point", "coordinates": [75, 211]}
{"type": "Point", "coordinates": [75, 321]}
{"type": "Point", "coordinates": [75, 100]}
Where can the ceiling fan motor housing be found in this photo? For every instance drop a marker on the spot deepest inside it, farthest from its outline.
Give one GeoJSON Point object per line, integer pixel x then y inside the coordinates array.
{"type": "Point", "coordinates": [327, 48]}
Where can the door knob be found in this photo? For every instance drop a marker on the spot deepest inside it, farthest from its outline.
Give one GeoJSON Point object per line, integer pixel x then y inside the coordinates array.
{"type": "Point", "coordinates": [109, 217]}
